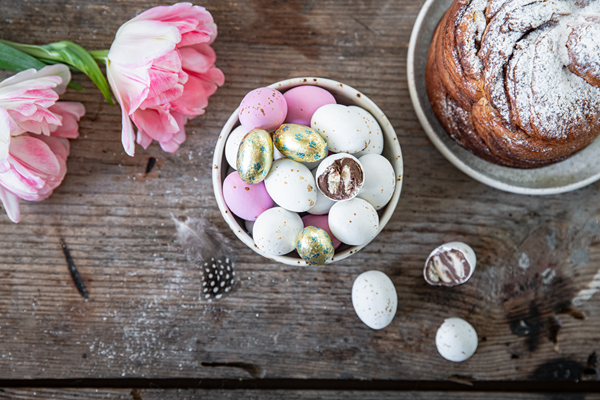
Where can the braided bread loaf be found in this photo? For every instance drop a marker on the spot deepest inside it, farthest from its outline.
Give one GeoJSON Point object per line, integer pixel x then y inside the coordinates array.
{"type": "Point", "coordinates": [517, 82]}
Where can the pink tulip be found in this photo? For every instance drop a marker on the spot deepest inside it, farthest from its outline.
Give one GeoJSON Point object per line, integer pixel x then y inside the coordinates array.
{"type": "Point", "coordinates": [33, 135]}
{"type": "Point", "coordinates": [161, 70]}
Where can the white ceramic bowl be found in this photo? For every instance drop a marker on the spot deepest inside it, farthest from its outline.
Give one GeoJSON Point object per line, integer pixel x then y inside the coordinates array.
{"type": "Point", "coordinates": [344, 95]}
{"type": "Point", "coordinates": [573, 173]}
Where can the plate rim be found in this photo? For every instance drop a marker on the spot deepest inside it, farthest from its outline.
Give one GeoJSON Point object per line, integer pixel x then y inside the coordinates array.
{"type": "Point", "coordinates": [446, 152]}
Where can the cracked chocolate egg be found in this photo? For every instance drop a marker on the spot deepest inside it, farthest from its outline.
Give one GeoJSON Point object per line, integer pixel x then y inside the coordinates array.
{"type": "Point", "coordinates": [255, 156]}
{"type": "Point", "coordinates": [300, 143]}
{"type": "Point", "coordinates": [340, 177]}
{"type": "Point", "coordinates": [374, 299]}
{"type": "Point", "coordinates": [456, 340]}
{"type": "Point", "coordinates": [450, 264]}
{"type": "Point", "coordinates": [314, 245]}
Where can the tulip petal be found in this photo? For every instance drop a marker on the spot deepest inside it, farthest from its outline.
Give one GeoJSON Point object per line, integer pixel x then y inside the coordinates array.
{"type": "Point", "coordinates": [5, 125]}
{"type": "Point", "coordinates": [143, 139]}
{"type": "Point", "coordinates": [70, 113]}
{"type": "Point", "coordinates": [178, 138]}
{"type": "Point", "coordinates": [34, 154]}
{"type": "Point", "coordinates": [156, 122]}
{"type": "Point", "coordinates": [197, 58]}
{"type": "Point", "coordinates": [138, 43]}
{"type": "Point", "coordinates": [196, 92]}
{"type": "Point", "coordinates": [10, 201]}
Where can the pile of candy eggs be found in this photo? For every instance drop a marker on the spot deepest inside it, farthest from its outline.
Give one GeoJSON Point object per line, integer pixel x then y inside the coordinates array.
{"type": "Point", "coordinates": [304, 154]}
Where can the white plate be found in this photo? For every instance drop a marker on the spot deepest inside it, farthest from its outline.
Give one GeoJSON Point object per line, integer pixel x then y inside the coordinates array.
{"type": "Point", "coordinates": [576, 172]}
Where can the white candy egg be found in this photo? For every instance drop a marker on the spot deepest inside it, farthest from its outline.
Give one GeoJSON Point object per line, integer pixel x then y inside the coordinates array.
{"type": "Point", "coordinates": [275, 231]}
{"type": "Point", "coordinates": [456, 340]}
{"type": "Point", "coordinates": [374, 299]}
{"type": "Point", "coordinates": [323, 204]}
{"type": "Point", "coordinates": [375, 145]}
{"type": "Point", "coordinates": [233, 144]}
{"type": "Point", "coordinates": [380, 180]}
{"type": "Point", "coordinates": [344, 128]}
{"type": "Point", "coordinates": [354, 222]}
{"type": "Point", "coordinates": [291, 185]}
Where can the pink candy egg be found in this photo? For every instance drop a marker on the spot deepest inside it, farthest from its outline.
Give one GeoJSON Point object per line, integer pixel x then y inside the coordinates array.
{"type": "Point", "coordinates": [303, 101]}
{"type": "Point", "coordinates": [321, 221]}
{"type": "Point", "coordinates": [246, 201]}
{"type": "Point", "coordinates": [263, 108]}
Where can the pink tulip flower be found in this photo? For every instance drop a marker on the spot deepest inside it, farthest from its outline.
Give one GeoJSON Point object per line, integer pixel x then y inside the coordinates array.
{"type": "Point", "coordinates": [161, 70]}
{"type": "Point", "coordinates": [33, 135]}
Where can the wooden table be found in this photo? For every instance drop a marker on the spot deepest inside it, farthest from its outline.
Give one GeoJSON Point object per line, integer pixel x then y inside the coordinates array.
{"type": "Point", "coordinates": [286, 332]}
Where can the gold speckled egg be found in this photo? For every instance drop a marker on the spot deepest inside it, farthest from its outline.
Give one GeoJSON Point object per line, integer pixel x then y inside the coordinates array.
{"type": "Point", "coordinates": [300, 143]}
{"type": "Point", "coordinates": [314, 245]}
{"type": "Point", "coordinates": [255, 156]}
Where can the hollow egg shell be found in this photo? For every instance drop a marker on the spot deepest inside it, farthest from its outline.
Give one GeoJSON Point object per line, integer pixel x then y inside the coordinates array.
{"type": "Point", "coordinates": [374, 299]}
{"type": "Point", "coordinates": [300, 143]}
{"type": "Point", "coordinates": [255, 156]}
{"type": "Point", "coordinates": [314, 245]}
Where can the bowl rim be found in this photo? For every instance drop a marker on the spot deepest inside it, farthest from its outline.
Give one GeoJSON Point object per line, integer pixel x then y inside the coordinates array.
{"type": "Point", "coordinates": [393, 149]}
{"type": "Point", "coordinates": [447, 152]}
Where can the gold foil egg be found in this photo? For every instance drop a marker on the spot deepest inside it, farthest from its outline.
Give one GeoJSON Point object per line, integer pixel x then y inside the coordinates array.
{"type": "Point", "coordinates": [300, 143]}
{"type": "Point", "coordinates": [314, 245]}
{"type": "Point", "coordinates": [255, 156]}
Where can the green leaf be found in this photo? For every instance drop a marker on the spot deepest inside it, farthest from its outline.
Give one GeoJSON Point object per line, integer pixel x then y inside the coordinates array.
{"type": "Point", "coordinates": [75, 86]}
{"type": "Point", "coordinates": [99, 55]}
{"type": "Point", "coordinates": [71, 54]}
{"type": "Point", "coordinates": [15, 60]}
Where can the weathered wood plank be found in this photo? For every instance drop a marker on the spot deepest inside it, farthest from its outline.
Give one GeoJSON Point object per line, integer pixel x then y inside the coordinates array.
{"type": "Point", "coordinates": [186, 394]}
{"type": "Point", "coordinates": [144, 318]}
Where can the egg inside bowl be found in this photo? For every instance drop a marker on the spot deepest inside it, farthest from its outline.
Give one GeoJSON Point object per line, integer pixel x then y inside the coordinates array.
{"type": "Point", "coordinates": [344, 95]}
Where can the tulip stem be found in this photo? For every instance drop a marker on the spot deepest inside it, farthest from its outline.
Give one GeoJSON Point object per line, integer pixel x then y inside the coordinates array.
{"type": "Point", "coordinates": [99, 55]}
{"type": "Point", "coordinates": [68, 53]}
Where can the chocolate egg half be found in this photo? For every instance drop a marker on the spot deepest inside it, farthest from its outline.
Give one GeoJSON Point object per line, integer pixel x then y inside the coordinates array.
{"type": "Point", "coordinates": [300, 143]}
{"type": "Point", "coordinates": [255, 156]}
{"type": "Point", "coordinates": [314, 245]}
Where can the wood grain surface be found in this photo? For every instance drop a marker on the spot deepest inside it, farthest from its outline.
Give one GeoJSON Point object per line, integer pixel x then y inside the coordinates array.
{"type": "Point", "coordinates": [532, 298]}
{"type": "Point", "coordinates": [158, 394]}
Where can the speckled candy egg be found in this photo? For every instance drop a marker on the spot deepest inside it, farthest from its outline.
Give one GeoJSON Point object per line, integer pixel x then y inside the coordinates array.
{"type": "Point", "coordinates": [456, 340]}
{"type": "Point", "coordinates": [275, 231]}
{"type": "Point", "coordinates": [303, 101]}
{"type": "Point", "coordinates": [233, 144]}
{"type": "Point", "coordinates": [244, 200]}
{"type": "Point", "coordinates": [374, 299]}
{"type": "Point", "coordinates": [321, 221]}
{"type": "Point", "coordinates": [380, 180]}
{"type": "Point", "coordinates": [255, 156]}
{"type": "Point", "coordinates": [375, 140]}
{"type": "Point", "coordinates": [291, 185]}
{"type": "Point", "coordinates": [343, 128]}
{"type": "Point", "coordinates": [354, 222]}
{"type": "Point", "coordinates": [263, 108]}
{"type": "Point", "coordinates": [314, 245]}
{"type": "Point", "coordinates": [300, 143]}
